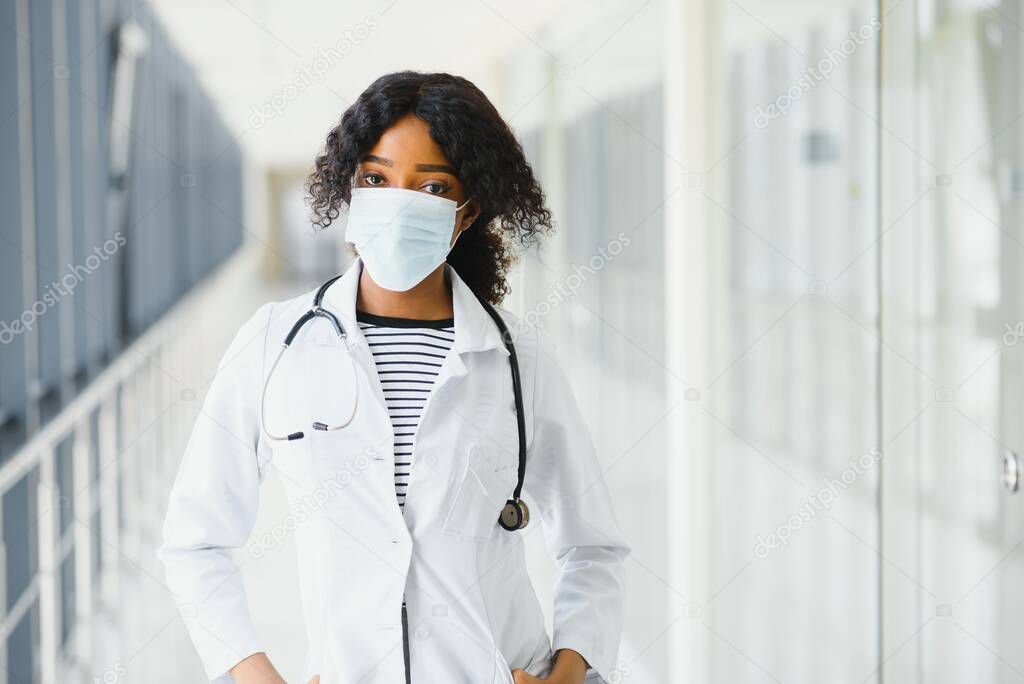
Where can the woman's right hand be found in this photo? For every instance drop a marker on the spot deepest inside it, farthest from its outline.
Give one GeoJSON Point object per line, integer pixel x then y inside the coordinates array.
{"type": "Point", "coordinates": [315, 679]}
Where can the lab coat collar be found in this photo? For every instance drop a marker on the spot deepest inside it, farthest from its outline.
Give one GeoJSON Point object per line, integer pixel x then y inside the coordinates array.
{"type": "Point", "coordinates": [474, 328]}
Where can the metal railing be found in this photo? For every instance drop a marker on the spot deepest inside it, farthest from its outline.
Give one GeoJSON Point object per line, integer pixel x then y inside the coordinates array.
{"type": "Point", "coordinates": [81, 503]}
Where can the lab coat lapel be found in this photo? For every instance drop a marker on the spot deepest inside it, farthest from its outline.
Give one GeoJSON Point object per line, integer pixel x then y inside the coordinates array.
{"type": "Point", "coordinates": [474, 332]}
{"type": "Point", "coordinates": [474, 329]}
{"type": "Point", "coordinates": [341, 300]}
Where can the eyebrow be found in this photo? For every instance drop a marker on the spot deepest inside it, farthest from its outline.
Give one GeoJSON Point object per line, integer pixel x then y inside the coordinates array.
{"type": "Point", "coordinates": [443, 168]}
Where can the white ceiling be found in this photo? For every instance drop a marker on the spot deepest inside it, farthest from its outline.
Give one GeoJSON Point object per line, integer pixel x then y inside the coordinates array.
{"type": "Point", "coordinates": [247, 53]}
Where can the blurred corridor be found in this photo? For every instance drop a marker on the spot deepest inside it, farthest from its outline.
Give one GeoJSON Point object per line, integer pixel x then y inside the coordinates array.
{"type": "Point", "coordinates": [787, 286]}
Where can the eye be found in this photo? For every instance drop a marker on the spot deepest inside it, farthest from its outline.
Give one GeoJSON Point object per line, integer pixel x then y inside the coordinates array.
{"type": "Point", "coordinates": [371, 178]}
{"type": "Point", "coordinates": [436, 187]}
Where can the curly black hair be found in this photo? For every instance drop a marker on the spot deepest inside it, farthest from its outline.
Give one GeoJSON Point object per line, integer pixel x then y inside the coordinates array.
{"type": "Point", "coordinates": [486, 155]}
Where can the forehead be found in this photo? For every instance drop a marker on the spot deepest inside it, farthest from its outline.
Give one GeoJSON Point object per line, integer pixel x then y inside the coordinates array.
{"type": "Point", "coordinates": [408, 143]}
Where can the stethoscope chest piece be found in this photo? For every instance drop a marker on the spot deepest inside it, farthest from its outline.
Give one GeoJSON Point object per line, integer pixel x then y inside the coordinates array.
{"type": "Point", "coordinates": [515, 515]}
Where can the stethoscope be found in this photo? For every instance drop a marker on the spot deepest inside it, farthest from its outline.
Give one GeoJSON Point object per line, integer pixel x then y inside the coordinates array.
{"type": "Point", "coordinates": [514, 515]}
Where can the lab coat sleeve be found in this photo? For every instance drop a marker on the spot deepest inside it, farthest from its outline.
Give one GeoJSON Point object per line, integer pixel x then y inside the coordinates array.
{"type": "Point", "coordinates": [212, 506]}
{"type": "Point", "coordinates": [565, 482]}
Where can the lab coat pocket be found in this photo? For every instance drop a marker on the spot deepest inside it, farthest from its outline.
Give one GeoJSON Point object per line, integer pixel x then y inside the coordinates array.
{"type": "Point", "coordinates": [486, 479]}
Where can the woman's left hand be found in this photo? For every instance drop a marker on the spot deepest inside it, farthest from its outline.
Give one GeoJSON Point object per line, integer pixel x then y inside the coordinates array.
{"type": "Point", "coordinates": [570, 668]}
{"type": "Point", "coordinates": [521, 677]}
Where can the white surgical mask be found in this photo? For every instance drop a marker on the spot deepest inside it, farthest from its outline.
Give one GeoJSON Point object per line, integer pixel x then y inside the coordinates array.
{"type": "Point", "coordinates": [402, 235]}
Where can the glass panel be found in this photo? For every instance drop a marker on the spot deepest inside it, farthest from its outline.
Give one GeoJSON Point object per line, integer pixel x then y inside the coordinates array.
{"type": "Point", "coordinates": [76, 275]}
{"type": "Point", "coordinates": [67, 597]}
{"type": "Point", "coordinates": [94, 445]}
{"type": "Point", "coordinates": [93, 288]}
{"type": "Point", "coordinates": [90, 190]}
{"type": "Point", "coordinates": [955, 317]}
{"type": "Point", "coordinates": [21, 533]}
{"type": "Point", "coordinates": [108, 279]}
{"type": "Point", "coordinates": [117, 456]}
{"type": "Point", "coordinates": [65, 480]}
{"type": "Point", "coordinates": [97, 546]}
{"type": "Point", "coordinates": [598, 288]}
{"type": "Point", "coordinates": [12, 340]}
{"type": "Point", "coordinates": [47, 312]}
{"type": "Point", "coordinates": [23, 649]}
{"type": "Point", "coordinates": [791, 409]}
{"type": "Point", "coordinates": [95, 498]}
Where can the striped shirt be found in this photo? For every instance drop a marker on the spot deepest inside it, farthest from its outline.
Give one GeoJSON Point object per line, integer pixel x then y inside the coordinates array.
{"type": "Point", "coordinates": [408, 354]}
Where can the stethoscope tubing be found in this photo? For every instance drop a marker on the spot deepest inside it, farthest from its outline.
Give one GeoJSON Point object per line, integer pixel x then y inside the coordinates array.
{"type": "Point", "coordinates": [515, 505]}
{"type": "Point", "coordinates": [316, 426]}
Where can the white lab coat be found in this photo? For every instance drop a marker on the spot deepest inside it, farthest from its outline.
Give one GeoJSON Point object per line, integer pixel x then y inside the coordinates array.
{"type": "Point", "coordinates": [472, 611]}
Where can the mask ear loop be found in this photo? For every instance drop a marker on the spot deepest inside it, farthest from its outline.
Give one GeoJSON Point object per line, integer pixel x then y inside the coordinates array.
{"type": "Point", "coordinates": [457, 209]}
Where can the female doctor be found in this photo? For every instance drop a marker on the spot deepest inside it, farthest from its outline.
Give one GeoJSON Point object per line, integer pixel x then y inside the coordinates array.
{"type": "Point", "coordinates": [420, 431]}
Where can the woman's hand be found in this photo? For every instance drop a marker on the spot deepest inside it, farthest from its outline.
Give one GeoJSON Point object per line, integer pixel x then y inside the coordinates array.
{"type": "Point", "coordinates": [570, 668]}
{"type": "Point", "coordinates": [315, 679]}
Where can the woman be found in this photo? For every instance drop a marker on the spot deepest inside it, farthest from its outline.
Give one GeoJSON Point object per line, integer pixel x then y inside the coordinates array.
{"type": "Point", "coordinates": [402, 433]}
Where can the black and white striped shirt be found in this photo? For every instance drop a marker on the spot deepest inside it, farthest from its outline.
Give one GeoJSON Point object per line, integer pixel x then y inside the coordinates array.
{"type": "Point", "coordinates": [408, 354]}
